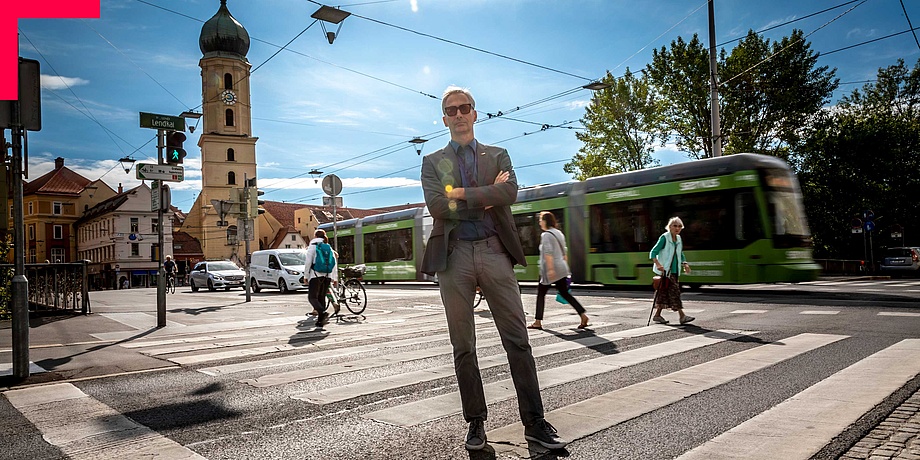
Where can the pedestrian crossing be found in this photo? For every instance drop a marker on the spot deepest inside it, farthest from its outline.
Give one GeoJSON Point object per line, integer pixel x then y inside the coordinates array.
{"type": "Point", "coordinates": [374, 360]}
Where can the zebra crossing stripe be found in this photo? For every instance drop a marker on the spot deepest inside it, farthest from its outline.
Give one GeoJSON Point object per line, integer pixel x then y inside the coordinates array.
{"type": "Point", "coordinates": [604, 411]}
{"type": "Point", "coordinates": [437, 407]}
{"type": "Point", "coordinates": [899, 313]}
{"type": "Point", "coordinates": [802, 425]}
{"type": "Point", "coordinates": [84, 428]}
{"type": "Point", "coordinates": [354, 390]}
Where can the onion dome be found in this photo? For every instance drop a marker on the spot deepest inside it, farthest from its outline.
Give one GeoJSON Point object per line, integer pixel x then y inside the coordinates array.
{"type": "Point", "coordinates": [224, 36]}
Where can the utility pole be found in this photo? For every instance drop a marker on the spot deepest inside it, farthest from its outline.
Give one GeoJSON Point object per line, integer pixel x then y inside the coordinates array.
{"type": "Point", "coordinates": [714, 86]}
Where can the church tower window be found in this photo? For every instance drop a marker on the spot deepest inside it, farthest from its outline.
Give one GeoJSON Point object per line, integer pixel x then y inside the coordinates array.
{"type": "Point", "coordinates": [229, 116]}
{"type": "Point", "coordinates": [230, 155]}
{"type": "Point", "coordinates": [231, 178]}
{"type": "Point", "coordinates": [228, 81]}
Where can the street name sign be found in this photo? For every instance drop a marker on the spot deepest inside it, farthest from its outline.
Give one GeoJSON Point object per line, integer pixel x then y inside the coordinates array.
{"type": "Point", "coordinates": [167, 122]}
{"type": "Point", "coordinates": [170, 173]}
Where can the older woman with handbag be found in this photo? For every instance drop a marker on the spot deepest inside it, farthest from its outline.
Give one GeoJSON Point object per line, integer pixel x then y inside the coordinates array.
{"type": "Point", "coordinates": [554, 270]}
{"type": "Point", "coordinates": [670, 248]}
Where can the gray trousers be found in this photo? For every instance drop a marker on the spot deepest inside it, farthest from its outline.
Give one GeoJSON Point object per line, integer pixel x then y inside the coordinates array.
{"type": "Point", "coordinates": [487, 264]}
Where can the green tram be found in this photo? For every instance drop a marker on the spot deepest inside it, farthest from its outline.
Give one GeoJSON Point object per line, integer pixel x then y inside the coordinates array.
{"type": "Point", "coordinates": [390, 245]}
{"type": "Point", "coordinates": [743, 216]}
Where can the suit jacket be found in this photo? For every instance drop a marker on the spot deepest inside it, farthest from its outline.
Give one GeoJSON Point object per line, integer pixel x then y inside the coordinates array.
{"type": "Point", "coordinates": [440, 170]}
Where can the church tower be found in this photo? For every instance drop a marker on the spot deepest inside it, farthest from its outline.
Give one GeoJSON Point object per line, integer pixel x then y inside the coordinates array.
{"type": "Point", "coordinates": [228, 149]}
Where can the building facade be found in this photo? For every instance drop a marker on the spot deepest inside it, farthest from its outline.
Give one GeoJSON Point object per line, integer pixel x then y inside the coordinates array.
{"type": "Point", "coordinates": [228, 148]}
{"type": "Point", "coordinates": [119, 236]}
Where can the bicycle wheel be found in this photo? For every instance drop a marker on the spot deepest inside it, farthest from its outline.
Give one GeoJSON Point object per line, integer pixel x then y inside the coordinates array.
{"type": "Point", "coordinates": [170, 286]}
{"type": "Point", "coordinates": [355, 296]}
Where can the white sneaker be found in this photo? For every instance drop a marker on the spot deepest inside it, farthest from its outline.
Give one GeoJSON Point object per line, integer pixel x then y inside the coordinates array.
{"type": "Point", "coordinates": [660, 320]}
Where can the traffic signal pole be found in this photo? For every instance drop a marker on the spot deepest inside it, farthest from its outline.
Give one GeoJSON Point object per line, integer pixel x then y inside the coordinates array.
{"type": "Point", "coordinates": [20, 297]}
{"type": "Point", "coordinates": [247, 224]}
{"type": "Point", "coordinates": [161, 275]}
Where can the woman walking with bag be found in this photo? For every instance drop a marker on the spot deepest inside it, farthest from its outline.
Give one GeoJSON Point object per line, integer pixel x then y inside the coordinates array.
{"type": "Point", "coordinates": [670, 248]}
{"type": "Point", "coordinates": [554, 270]}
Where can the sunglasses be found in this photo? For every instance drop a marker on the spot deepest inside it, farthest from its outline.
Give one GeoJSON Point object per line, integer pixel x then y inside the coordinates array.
{"type": "Point", "coordinates": [463, 108]}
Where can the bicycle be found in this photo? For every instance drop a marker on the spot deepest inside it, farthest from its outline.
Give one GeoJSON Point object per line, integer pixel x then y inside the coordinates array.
{"type": "Point", "coordinates": [170, 283]}
{"type": "Point", "coordinates": [348, 291]}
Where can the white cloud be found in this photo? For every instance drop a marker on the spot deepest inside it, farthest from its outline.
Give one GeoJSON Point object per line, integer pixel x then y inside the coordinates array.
{"type": "Point", "coordinates": [307, 183]}
{"type": "Point", "coordinates": [414, 4]}
{"type": "Point", "coordinates": [54, 82]}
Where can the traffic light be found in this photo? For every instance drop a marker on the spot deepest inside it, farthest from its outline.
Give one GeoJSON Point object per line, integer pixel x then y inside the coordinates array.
{"type": "Point", "coordinates": [239, 197]}
{"type": "Point", "coordinates": [175, 154]}
{"type": "Point", "coordinates": [254, 202]}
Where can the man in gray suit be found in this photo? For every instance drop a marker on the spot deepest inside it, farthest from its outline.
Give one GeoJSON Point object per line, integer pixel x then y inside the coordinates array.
{"type": "Point", "coordinates": [469, 188]}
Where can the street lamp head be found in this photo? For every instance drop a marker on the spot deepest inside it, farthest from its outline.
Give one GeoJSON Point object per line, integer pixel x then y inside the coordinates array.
{"type": "Point", "coordinates": [315, 173]}
{"type": "Point", "coordinates": [127, 163]}
{"type": "Point", "coordinates": [596, 86]}
{"type": "Point", "coordinates": [419, 143]}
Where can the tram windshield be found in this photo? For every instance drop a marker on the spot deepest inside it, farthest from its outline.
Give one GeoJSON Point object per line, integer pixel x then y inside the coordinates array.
{"type": "Point", "coordinates": [784, 207]}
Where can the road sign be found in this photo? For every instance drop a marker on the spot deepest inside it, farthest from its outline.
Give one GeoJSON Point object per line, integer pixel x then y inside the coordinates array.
{"type": "Point", "coordinates": [869, 225]}
{"type": "Point", "coordinates": [327, 201]}
{"type": "Point", "coordinates": [155, 121]}
{"type": "Point", "coordinates": [154, 196]}
{"type": "Point", "coordinates": [332, 185]}
{"type": "Point", "coordinates": [170, 173]}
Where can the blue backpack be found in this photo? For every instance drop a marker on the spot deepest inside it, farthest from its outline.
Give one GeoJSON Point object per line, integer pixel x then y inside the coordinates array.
{"type": "Point", "coordinates": [324, 262]}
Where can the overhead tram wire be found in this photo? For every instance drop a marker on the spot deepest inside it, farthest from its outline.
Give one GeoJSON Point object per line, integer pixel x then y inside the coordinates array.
{"type": "Point", "coordinates": [705, 2]}
{"type": "Point", "coordinates": [790, 22]}
{"type": "Point", "coordinates": [521, 61]}
{"type": "Point", "coordinates": [88, 112]}
{"type": "Point", "coordinates": [870, 41]}
{"type": "Point", "coordinates": [909, 24]}
{"type": "Point", "coordinates": [749, 69]}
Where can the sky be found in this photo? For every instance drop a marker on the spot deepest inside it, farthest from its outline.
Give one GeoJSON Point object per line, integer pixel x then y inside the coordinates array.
{"type": "Point", "coordinates": [351, 108]}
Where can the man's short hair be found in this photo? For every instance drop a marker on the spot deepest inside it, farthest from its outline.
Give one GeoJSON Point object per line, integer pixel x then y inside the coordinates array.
{"type": "Point", "coordinates": [457, 90]}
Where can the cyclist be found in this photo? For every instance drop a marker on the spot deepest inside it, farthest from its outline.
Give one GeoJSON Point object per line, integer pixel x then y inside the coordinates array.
{"type": "Point", "coordinates": [170, 268]}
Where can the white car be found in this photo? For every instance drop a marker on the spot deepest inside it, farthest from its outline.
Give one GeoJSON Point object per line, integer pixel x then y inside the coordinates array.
{"type": "Point", "coordinates": [216, 274]}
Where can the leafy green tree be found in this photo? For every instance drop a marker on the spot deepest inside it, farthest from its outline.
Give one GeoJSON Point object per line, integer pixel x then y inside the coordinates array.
{"type": "Point", "coordinates": [768, 90]}
{"type": "Point", "coordinates": [621, 128]}
{"type": "Point", "coordinates": [864, 154]}
{"type": "Point", "coordinates": [680, 75]}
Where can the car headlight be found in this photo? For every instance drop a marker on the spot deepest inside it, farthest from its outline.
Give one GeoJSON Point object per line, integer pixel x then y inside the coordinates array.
{"type": "Point", "coordinates": [218, 277]}
{"type": "Point", "coordinates": [291, 272]}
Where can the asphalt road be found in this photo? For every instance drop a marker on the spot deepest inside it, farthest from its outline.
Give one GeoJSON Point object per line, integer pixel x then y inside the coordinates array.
{"type": "Point", "coordinates": [227, 379]}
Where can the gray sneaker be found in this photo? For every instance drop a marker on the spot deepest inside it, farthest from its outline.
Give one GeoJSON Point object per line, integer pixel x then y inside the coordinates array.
{"type": "Point", "coordinates": [476, 437]}
{"type": "Point", "coordinates": [686, 319]}
{"type": "Point", "coordinates": [544, 434]}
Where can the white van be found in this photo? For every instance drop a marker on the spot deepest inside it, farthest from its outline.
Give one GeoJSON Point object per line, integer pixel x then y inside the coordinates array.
{"type": "Point", "coordinates": [277, 268]}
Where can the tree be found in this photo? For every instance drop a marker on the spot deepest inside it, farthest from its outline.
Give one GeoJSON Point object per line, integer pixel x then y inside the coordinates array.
{"type": "Point", "coordinates": [681, 76]}
{"type": "Point", "coordinates": [879, 126]}
{"type": "Point", "coordinates": [621, 128]}
{"type": "Point", "coordinates": [767, 91]}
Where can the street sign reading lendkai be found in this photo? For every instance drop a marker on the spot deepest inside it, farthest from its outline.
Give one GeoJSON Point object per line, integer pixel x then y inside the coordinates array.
{"type": "Point", "coordinates": [167, 122]}
{"type": "Point", "coordinates": [170, 173]}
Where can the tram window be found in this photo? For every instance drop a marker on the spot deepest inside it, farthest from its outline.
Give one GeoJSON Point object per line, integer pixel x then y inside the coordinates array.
{"type": "Point", "coordinates": [622, 227]}
{"type": "Point", "coordinates": [388, 246]}
{"type": "Point", "coordinates": [346, 249]}
{"type": "Point", "coordinates": [748, 227]}
{"type": "Point", "coordinates": [708, 219]}
{"type": "Point", "coordinates": [529, 232]}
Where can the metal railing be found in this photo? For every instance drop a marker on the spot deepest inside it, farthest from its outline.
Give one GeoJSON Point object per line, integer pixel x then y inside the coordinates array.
{"type": "Point", "coordinates": [61, 286]}
{"type": "Point", "coordinates": [843, 267]}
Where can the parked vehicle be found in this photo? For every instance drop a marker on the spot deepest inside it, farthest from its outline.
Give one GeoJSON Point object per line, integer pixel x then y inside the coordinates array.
{"type": "Point", "coordinates": [281, 269]}
{"type": "Point", "coordinates": [216, 274]}
{"type": "Point", "coordinates": [901, 261]}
